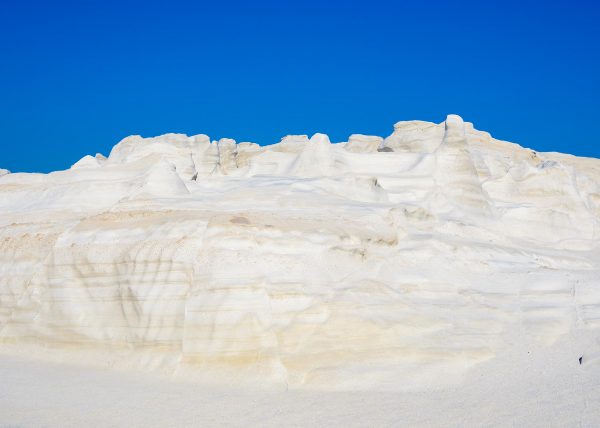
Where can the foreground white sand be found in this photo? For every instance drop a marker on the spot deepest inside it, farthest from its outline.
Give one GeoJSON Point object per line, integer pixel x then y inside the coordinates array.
{"type": "Point", "coordinates": [533, 387]}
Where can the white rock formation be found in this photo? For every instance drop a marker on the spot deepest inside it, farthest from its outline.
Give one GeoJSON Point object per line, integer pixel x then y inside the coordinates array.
{"type": "Point", "coordinates": [390, 264]}
{"type": "Point", "coordinates": [358, 143]}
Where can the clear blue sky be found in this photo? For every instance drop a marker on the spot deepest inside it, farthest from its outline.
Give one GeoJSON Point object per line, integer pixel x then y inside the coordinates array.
{"type": "Point", "coordinates": [76, 77]}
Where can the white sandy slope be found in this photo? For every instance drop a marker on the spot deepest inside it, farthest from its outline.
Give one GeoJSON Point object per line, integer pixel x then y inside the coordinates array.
{"type": "Point", "coordinates": [530, 387]}
{"type": "Point", "coordinates": [401, 265]}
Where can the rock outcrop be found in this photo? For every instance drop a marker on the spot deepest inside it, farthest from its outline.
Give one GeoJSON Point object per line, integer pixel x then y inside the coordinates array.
{"type": "Point", "coordinates": [369, 264]}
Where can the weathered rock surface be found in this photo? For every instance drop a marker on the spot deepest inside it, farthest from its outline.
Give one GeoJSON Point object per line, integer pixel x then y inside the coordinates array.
{"type": "Point", "coordinates": [304, 263]}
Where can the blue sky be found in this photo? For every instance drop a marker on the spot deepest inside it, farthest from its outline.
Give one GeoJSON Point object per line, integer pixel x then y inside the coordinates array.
{"type": "Point", "coordinates": [76, 77]}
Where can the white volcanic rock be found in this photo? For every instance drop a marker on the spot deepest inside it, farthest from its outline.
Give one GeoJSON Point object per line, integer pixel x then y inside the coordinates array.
{"type": "Point", "coordinates": [182, 151]}
{"type": "Point", "coordinates": [415, 136]}
{"type": "Point", "coordinates": [358, 143]}
{"type": "Point", "coordinates": [89, 161]}
{"type": "Point", "coordinates": [316, 158]}
{"type": "Point", "coordinates": [455, 173]}
{"type": "Point", "coordinates": [291, 143]}
{"type": "Point", "coordinates": [4, 172]}
{"type": "Point", "coordinates": [305, 263]}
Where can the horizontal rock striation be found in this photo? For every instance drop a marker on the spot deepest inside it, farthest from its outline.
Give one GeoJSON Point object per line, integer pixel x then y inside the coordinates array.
{"type": "Point", "coordinates": [376, 263]}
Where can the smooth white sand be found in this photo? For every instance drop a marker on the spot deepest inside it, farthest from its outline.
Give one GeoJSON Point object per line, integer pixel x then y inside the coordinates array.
{"type": "Point", "coordinates": [531, 387]}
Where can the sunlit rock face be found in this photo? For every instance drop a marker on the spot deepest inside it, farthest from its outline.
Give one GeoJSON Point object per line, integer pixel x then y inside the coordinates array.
{"type": "Point", "coordinates": [391, 263]}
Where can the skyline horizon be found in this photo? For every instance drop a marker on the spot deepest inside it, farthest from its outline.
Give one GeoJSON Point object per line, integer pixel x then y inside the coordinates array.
{"type": "Point", "coordinates": [309, 135]}
{"type": "Point", "coordinates": [76, 78]}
